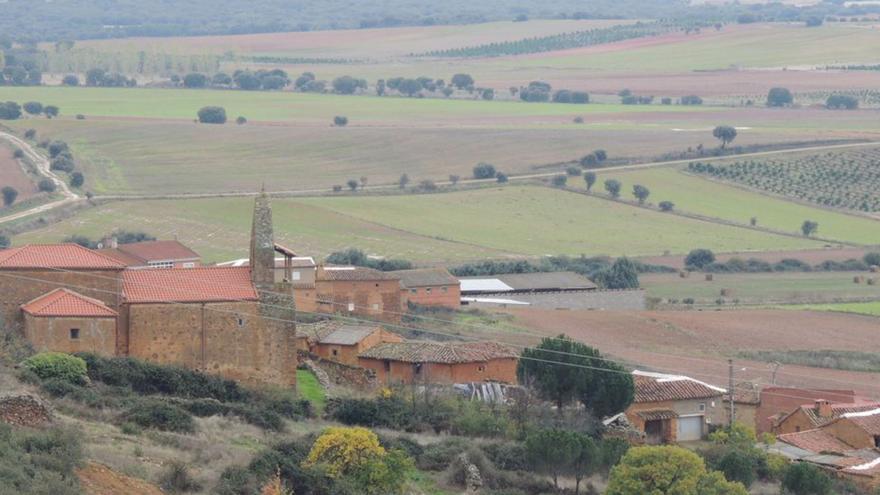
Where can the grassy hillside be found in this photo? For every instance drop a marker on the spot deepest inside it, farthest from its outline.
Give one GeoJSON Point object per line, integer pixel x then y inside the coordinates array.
{"type": "Point", "coordinates": [509, 221]}
{"type": "Point", "coordinates": [696, 195]}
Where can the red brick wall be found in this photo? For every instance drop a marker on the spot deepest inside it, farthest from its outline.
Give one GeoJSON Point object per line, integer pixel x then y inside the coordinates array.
{"type": "Point", "coordinates": [21, 286]}
{"type": "Point", "coordinates": [500, 370]}
{"type": "Point", "coordinates": [348, 354]}
{"type": "Point", "coordinates": [447, 296]}
{"type": "Point", "coordinates": [374, 298]}
{"type": "Point", "coordinates": [776, 400]}
{"type": "Point", "coordinates": [96, 335]}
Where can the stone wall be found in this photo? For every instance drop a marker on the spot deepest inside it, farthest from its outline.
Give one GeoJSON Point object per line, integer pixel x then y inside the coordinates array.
{"type": "Point", "coordinates": [233, 340]}
{"type": "Point", "coordinates": [22, 286]}
{"type": "Point", "coordinates": [24, 410]}
{"type": "Point", "coordinates": [342, 374]}
{"type": "Point", "coordinates": [397, 372]}
{"type": "Point", "coordinates": [629, 300]}
{"type": "Point", "coordinates": [96, 335]}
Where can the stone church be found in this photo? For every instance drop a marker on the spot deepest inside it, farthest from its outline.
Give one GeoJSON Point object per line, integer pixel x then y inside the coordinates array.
{"type": "Point", "coordinates": [236, 322]}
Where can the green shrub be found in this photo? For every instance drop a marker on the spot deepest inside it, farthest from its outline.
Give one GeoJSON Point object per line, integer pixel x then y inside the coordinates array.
{"type": "Point", "coordinates": [66, 367]}
{"type": "Point", "coordinates": [177, 479]}
{"type": "Point", "coordinates": [509, 456]}
{"type": "Point", "coordinates": [160, 415]}
{"type": "Point", "coordinates": [38, 461]}
{"type": "Point", "coordinates": [438, 456]}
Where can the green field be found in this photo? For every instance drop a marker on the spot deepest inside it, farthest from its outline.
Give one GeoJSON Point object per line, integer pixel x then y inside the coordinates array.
{"type": "Point", "coordinates": [704, 197]}
{"type": "Point", "coordinates": [498, 222]}
{"type": "Point", "coordinates": [864, 308]}
{"type": "Point", "coordinates": [308, 388]}
{"type": "Point", "coordinates": [761, 288]}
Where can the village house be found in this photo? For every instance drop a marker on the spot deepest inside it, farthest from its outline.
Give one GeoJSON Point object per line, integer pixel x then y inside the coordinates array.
{"type": "Point", "coordinates": [341, 342]}
{"type": "Point", "coordinates": [778, 402]}
{"type": "Point", "coordinates": [746, 401]}
{"type": "Point", "coordinates": [234, 322]}
{"type": "Point", "coordinates": [433, 287]}
{"type": "Point", "coordinates": [153, 254]}
{"type": "Point", "coordinates": [358, 291]}
{"type": "Point", "coordinates": [440, 362]}
{"type": "Point", "coordinates": [672, 408]}
{"type": "Point", "coordinates": [848, 446]}
{"type": "Point", "coordinates": [819, 413]}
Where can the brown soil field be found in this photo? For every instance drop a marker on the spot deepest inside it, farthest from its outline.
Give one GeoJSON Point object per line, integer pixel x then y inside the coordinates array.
{"type": "Point", "coordinates": [11, 174]}
{"type": "Point", "coordinates": [698, 343]}
{"type": "Point", "coordinates": [811, 256]}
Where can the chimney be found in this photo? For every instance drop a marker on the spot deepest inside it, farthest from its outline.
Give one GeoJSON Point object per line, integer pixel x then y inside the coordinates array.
{"type": "Point", "coordinates": [822, 408]}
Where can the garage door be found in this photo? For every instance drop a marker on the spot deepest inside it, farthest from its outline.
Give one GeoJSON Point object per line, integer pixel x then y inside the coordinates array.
{"type": "Point", "coordinates": [690, 428]}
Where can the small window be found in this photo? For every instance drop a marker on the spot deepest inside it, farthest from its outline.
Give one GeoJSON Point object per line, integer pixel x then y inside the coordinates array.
{"type": "Point", "coordinates": [414, 291]}
{"type": "Point", "coordinates": [351, 306]}
{"type": "Point", "coordinates": [417, 368]}
{"type": "Point", "coordinates": [428, 290]}
{"type": "Point", "coordinates": [240, 322]}
{"type": "Point", "coordinates": [387, 364]}
{"type": "Point", "coordinates": [702, 406]}
{"type": "Point", "coordinates": [74, 334]}
{"type": "Point", "coordinates": [444, 289]}
{"type": "Point", "coordinates": [296, 276]}
{"type": "Point", "coordinates": [877, 441]}
{"type": "Point", "coordinates": [481, 369]}
{"type": "Point", "coordinates": [335, 352]}
{"type": "Point", "coordinates": [797, 429]}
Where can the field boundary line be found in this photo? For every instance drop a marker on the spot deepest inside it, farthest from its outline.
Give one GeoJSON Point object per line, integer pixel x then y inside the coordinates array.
{"type": "Point", "coordinates": [522, 177]}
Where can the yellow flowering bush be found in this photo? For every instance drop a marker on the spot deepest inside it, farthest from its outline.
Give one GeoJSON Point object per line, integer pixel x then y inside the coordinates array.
{"type": "Point", "coordinates": [345, 450]}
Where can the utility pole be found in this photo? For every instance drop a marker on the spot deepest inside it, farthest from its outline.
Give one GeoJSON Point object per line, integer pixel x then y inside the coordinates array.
{"type": "Point", "coordinates": [730, 394]}
{"type": "Point", "coordinates": [774, 367]}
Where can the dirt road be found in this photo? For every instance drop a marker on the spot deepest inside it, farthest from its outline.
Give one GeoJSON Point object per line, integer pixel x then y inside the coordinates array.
{"type": "Point", "coordinates": [44, 169]}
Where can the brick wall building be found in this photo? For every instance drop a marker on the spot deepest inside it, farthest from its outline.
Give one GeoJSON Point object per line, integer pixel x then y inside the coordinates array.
{"type": "Point", "coordinates": [436, 362]}
{"type": "Point", "coordinates": [777, 402]}
{"type": "Point", "coordinates": [359, 291]}
{"type": "Point", "coordinates": [341, 342]}
{"type": "Point", "coordinates": [671, 408]}
{"type": "Point", "coordinates": [819, 413]}
{"type": "Point", "coordinates": [434, 287]}
{"type": "Point", "coordinates": [235, 322]}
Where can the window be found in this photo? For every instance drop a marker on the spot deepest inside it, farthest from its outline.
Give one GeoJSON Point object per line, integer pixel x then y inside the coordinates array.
{"type": "Point", "coordinates": [417, 368]}
{"type": "Point", "coordinates": [481, 369]}
{"type": "Point", "coordinates": [702, 407]}
{"type": "Point", "coordinates": [414, 291]}
{"type": "Point", "coordinates": [189, 265]}
{"type": "Point", "coordinates": [296, 275]}
{"type": "Point", "coordinates": [375, 306]}
{"type": "Point", "coordinates": [240, 322]}
{"type": "Point", "coordinates": [444, 289]}
{"type": "Point", "coordinates": [351, 306]}
{"type": "Point", "coordinates": [161, 264]}
{"type": "Point", "coordinates": [387, 364]}
{"type": "Point", "coordinates": [428, 290]}
{"type": "Point", "coordinates": [335, 352]}
{"type": "Point", "coordinates": [877, 441]}
{"type": "Point", "coordinates": [74, 334]}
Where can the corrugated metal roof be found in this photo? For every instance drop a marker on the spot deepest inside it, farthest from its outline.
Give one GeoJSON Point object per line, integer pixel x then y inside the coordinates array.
{"type": "Point", "coordinates": [540, 281]}
{"type": "Point", "coordinates": [470, 285]}
{"type": "Point", "coordinates": [425, 277]}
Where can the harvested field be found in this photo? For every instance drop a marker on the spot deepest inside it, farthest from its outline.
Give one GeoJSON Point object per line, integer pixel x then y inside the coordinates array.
{"type": "Point", "coordinates": [351, 43]}
{"type": "Point", "coordinates": [699, 342]}
{"type": "Point", "coordinates": [761, 288]}
{"type": "Point", "coordinates": [11, 174]}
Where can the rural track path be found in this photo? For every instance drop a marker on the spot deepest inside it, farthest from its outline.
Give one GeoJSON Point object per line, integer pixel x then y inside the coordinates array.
{"type": "Point", "coordinates": [43, 168]}
{"type": "Point", "coordinates": [542, 175]}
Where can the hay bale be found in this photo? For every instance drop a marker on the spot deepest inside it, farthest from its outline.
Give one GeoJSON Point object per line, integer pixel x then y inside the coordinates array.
{"type": "Point", "coordinates": [875, 269]}
{"type": "Point", "coordinates": [684, 274]}
{"type": "Point", "coordinates": [727, 292]}
{"type": "Point", "coordinates": [710, 277]}
{"type": "Point", "coordinates": [872, 281]}
{"type": "Point", "coordinates": [858, 279]}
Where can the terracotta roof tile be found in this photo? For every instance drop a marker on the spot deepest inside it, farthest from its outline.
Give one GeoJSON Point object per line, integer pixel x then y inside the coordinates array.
{"type": "Point", "coordinates": [206, 284]}
{"type": "Point", "coordinates": [353, 274]}
{"type": "Point", "coordinates": [62, 256]}
{"type": "Point", "coordinates": [425, 277]}
{"type": "Point", "coordinates": [866, 420]}
{"type": "Point", "coordinates": [837, 410]}
{"type": "Point", "coordinates": [154, 251]}
{"type": "Point", "coordinates": [658, 387]}
{"type": "Point", "coordinates": [816, 440]}
{"type": "Point", "coordinates": [654, 414]}
{"type": "Point", "coordinates": [439, 352]}
{"type": "Point", "coordinates": [64, 302]}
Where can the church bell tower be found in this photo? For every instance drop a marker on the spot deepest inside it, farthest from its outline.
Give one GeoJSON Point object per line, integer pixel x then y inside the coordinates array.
{"type": "Point", "coordinates": [262, 256]}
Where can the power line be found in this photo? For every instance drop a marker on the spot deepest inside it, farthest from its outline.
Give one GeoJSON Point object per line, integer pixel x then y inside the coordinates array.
{"type": "Point", "coordinates": [239, 313]}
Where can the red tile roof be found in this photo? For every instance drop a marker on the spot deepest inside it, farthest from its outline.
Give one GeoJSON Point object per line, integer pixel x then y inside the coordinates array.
{"type": "Point", "coordinates": [658, 387]}
{"type": "Point", "coordinates": [352, 274]}
{"type": "Point", "coordinates": [837, 410]}
{"type": "Point", "coordinates": [64, 302]}
{"type": "Point", "coordinates": [868, 420]}
{"type": "Point", "coordinates": [439, 352]}
{"type": "Point", "coordinates": [62, 256]}
{"type": "Point", "coordinates": [206, 284]}
{"type": "Point", "coordinates": [153, 251]}
{"type": "Point", "coordinates": [817, 441]}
